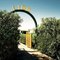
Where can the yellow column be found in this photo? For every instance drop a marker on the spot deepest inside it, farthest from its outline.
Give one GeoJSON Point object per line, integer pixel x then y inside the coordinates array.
{"type": "Point", "coordinates": [18, 7]}
{"type": "Point", "coordinates": [28, 40]}
{"type": "Point", "coordinates": [23, 7]}
{"type": "Point", "coordinates": [29, 9]}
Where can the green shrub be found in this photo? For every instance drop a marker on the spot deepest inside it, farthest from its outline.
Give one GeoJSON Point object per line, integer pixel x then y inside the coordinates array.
{"type": "Point", "coordinates": [34, 40]}
{"type": "Point", "coordinates": [23, 38]}
{"type": "Point", "coordinates": [54, 50]}
{"type": "Point", "coordinates": [9, 34]}
{"type": "Point", "coordinates": [49, 37]}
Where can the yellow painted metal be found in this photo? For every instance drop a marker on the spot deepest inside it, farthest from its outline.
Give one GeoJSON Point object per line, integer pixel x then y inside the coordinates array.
{"type": "Point", "coordinates": [21, 7]}
{"type": "Point", "coordinates": [29, 9]}
{"type": "Point", "coordinates": [28, 40]}
{"type": "Point", "coordinates": [24, 7]}
{"type": "Point", "coordinates": [18, 7]}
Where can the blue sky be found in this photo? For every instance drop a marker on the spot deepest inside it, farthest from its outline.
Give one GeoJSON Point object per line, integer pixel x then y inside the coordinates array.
{"type": "Point", "coordinates": [39, 8]}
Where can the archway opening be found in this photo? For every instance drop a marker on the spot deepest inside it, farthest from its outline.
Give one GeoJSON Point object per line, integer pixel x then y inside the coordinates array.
{"type": "Point", "coordinates": [28, 35]}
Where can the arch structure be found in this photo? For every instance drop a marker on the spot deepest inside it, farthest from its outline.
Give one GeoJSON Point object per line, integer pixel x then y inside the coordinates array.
{"type": "Point", "coordinates": [27, 12]}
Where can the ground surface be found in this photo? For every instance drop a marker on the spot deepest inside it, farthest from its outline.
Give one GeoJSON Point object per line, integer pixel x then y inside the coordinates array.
{"type": "Point", "coordinates": [30, 54]}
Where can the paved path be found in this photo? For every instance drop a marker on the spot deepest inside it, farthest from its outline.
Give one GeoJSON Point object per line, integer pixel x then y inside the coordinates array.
{"type": "Point", "coordinates": [33, 52]}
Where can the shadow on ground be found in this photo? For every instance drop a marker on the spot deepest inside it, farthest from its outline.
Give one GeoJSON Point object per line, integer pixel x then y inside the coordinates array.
{"type": "Point", "coordinates": [23, 55]}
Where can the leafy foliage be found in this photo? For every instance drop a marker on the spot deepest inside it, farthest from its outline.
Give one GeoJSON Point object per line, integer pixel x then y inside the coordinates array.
{"type": "Point", "coordinates": [9, 34]}
{"type": "Point", "coordinates": [23, 38]}
{"type": "Point", "coordinates": [34, 42]}
{"type": "Point", "coordinates": [48, 40]}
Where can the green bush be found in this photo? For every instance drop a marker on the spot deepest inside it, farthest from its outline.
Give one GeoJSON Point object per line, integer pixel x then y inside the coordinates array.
{"type": "Point", "coordinates": [54, 50]}
{"type": "Point", "coordinates": [33, 40]}
{"type": "Point", "coordinates": [9, 34]}
{"type": "Point", "coordinates": [23, 38]}
{"type": "Point", "coordinates": [49, 37]}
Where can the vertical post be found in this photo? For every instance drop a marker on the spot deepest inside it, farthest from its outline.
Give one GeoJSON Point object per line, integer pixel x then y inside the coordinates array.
{"type": "Point", "coordinates": [23, 7]}
{"type": "Point", "coordinates": [13, 7]}
{"type": "Point", "coordinates": [18, 7]}
{"type": "Point", "coordinates": [29, 9]}
{"type": "Point", "coordinates": [28, 40]}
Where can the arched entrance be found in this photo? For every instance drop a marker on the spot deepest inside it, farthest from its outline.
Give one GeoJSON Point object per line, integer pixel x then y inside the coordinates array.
{"type": "Point", "coordinates": [27, 12]}
{"type": "Point", "coordinates": [21, 10]}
